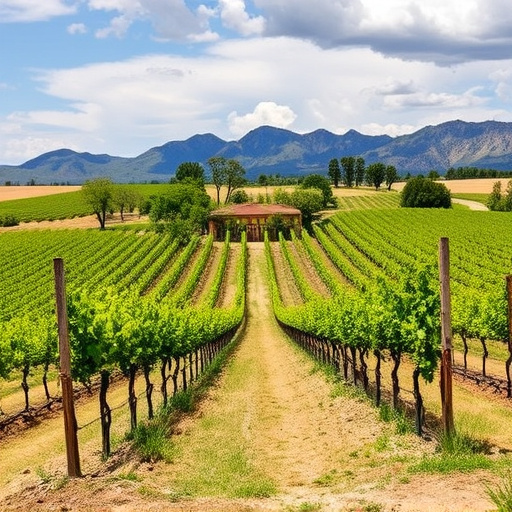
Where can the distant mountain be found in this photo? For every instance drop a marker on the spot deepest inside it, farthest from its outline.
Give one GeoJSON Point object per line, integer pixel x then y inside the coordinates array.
{"type": "Point", "coordinates": [274, 150]}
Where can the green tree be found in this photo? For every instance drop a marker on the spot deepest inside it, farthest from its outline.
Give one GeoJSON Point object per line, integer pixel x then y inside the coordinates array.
{"type": "Point", "coordinates": [182, 210]}
{"type": "Point", "coordinates": [391, 175]}
{"type": "Point", "coordinates": [348, 170]}
{"type": "Point", "coordinates": [240, 197]}
{"type": "Point", "coordinates": [334, 171]}
{"type": "Point", "coordinates": [376, 174]}
{"type": "Point", "coordinates": [218, 165]}
{"type": "Point", "coordinates": [424, 193]}
{"type": "Point", "coordinates": [235, 177]}
{"type": "Point", "coordinates": [433, 175]}
{"type": "Point", "coordinates": [99, 195]}
{"type": "Point", "coordinates": [317, 181]}
{"type": "Point", "coordinates": [190, 171]}
{"type": "Point", "coordinates": [308, 201]}
{"type": "Point", "coordinates": [125, 198]}
{"type": "Point", "coordinates": [360, 168]}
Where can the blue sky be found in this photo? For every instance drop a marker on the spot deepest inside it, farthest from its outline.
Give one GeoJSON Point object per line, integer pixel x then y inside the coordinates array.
{"type": "Point", "coordinates": [122, 76]}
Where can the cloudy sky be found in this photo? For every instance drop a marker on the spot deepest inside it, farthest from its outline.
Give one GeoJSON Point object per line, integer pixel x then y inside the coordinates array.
{"type": "Point", "coordinates": [122, 76]}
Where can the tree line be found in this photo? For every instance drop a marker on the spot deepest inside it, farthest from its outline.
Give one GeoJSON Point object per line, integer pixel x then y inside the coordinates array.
{"type": "Point", "coordinates": [352, 171]}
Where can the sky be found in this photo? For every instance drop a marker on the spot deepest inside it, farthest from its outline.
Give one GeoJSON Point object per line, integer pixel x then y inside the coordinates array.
{"type": "Point", "coordinates": [123, 76]}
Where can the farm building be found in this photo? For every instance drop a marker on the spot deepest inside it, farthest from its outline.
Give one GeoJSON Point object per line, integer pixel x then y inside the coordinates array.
{"type": "Point", "coordinates": [254, 219]}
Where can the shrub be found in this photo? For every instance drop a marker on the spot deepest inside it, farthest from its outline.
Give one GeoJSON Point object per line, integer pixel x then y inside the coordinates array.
{"type": "Point", "coordinates": [8, 220]}
{"type": "Point", "coordinates": [424, 193]}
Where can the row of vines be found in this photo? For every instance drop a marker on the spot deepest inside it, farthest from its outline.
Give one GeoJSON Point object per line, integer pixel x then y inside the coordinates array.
{"type": "Point", "coordinates": [380, 267]}
{"type": "Point", "coordinates": [131, 306]}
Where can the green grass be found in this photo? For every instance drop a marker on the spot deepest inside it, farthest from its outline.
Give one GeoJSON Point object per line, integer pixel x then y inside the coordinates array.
{"type": "Point", "coordinates": [501, 494]}
{"type": "Point", "coordinates": [479, 198]}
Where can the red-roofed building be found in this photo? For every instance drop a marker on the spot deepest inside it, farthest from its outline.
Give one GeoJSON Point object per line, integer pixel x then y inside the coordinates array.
{"type": "Point", "coordinates": [254, 219]}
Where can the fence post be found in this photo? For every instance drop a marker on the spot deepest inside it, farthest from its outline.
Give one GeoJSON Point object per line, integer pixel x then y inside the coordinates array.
{"type": "Point", "coordinates": [509, 360]}
{"type": "Point", "coordinates": [70, 425]}
{"type": "Point", "coordinates": [446, 335]}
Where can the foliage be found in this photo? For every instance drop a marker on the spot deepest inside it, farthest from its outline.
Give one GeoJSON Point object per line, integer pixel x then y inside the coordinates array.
{"type": "Point", "coordinates": [334, 171]}
{"type": "Point", "coordinates": [319, 182]}
{"type": "Point", "coordinates": [498, 201]}
{"type": "Point", "coordinates": [348, 165]}
{"type": "Point", "coordinates": [8, 221]}
{"type": "Point", "coordinates": [125, 198]}
{"type": "Point", "coordinates": [182, 210]}
{"type": "Point", "coordinates": [98, 193]}
{"type": "Point", "coordinates": [228, 172]}
{"type": "Point", "coordinates": [375, 174]}
{"type": "Point", "coordinates": [424, 193]}
{"type": "Point", "coordinates": [360, 170]}
{"type": "Point", "coordinates": [391, 175]}
{"type": "Point", "coordinates": [240, 197]}
{"type": "Point", "coordinates": [190, 171]}
{"type": "Point", "coordinates": [308, 201]}
{"type": "Point", "coordinates": [501, 494]}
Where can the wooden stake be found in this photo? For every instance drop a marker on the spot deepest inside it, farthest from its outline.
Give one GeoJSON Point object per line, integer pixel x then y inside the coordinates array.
{"type": "Point", "coordinates": [70, 425]}
{"type": "Point", "coordinates": [446, 335]}
{"type": "Point", "coordinates": [509, 360]}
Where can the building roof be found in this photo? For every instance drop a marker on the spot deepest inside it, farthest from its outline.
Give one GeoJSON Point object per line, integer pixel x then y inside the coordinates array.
{"type": "Point", "coordinates": [254, 210]}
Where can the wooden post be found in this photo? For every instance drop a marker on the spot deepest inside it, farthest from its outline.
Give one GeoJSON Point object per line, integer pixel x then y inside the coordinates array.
{"type": "Point", "coordinates": [70, 425]}
{"type": "Point", "coordinates": [509, 360]}
{"type": "Point", "coordinates": [446, 335]}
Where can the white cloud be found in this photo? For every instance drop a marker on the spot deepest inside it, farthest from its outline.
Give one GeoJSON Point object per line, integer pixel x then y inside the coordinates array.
{"type": "Point", "coordinates": [124, 108]}
{"type": "Point", "coordinates": [265, 113]}
{"type": "Point", "coordinates": [234, 16]}
{"type": "Point", "coordinates": [77, 28]}
{"type": "Point", "coordinates": [34, 10]}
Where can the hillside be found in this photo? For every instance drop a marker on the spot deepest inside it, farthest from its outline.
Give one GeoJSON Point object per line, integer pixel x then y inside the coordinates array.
{"type": "Point", "coordinates": [277, 151]}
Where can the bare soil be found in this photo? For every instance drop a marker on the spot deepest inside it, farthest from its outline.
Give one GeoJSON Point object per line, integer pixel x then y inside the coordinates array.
{"type": "Point", "coordinates": [21, 192]}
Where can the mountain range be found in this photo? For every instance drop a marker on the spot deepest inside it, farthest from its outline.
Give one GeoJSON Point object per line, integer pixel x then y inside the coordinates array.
{"type": "Point", "coordinates": [271, 150]}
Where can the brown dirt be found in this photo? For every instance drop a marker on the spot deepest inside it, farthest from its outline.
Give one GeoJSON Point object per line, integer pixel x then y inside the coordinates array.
{"type": "Point", "coordinates": [290, 294]}
{"type": "Point", "coordinates": [208, 276]}
{"type": "Point", "coordinates": [229, 281]}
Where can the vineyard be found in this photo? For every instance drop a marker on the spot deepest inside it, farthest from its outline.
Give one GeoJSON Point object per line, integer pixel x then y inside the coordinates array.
{"type": "Point", "coordinates": [360, 294]}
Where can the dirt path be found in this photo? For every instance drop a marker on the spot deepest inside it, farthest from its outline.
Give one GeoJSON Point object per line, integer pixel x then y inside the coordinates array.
{"type": "Point", "coordinates": [273, 426]}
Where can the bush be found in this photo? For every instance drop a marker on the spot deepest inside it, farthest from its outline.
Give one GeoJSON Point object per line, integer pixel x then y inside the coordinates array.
{"type": "Point", "coordinates": [424, 193]}
{"type": "Point", "coordinates": [8, 220]}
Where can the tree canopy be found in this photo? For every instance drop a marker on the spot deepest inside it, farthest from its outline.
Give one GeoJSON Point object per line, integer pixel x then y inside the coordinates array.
{"type": "Point", "coordinates": [228, 172]}
{"type": "Point", "coordinates": [424, 193]}
{"type": "Point", "coordinates": [321, 183]}
{"type": "Point", "coordinates": [183, 210]}
{"type": "Point", "coordinates": [99, 195]}
{"type": "Point", "coordinates": [190, 171]}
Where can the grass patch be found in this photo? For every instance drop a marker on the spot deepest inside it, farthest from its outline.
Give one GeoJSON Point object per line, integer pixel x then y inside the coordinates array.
{"type": "Point", "coordinates": [501, 494]}
{"type": "Point", "coordinates": [456, 453]}
{"type": "Point", "coordinates": [403, 424]}
{"type": "Point", "coordinates": [151, 439]}
{"type": "Point", "coordinates": [304, 507]}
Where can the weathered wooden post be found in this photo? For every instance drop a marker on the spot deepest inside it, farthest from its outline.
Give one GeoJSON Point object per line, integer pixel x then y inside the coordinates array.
{"type": "Point", "coordinates": [70, 425]}
{"type": "Point", "coordinates": [509, 359]}
{"type": "Point", "coordinates": [446, 335]}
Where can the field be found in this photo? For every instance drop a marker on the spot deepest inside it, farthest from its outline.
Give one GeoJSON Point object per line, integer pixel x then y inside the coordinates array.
{"type": "Point", "coordinates": [279, 429]}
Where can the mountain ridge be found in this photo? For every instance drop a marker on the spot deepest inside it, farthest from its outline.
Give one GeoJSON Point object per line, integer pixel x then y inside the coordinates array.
{"type": "Point", "coordinates": [272, 150]}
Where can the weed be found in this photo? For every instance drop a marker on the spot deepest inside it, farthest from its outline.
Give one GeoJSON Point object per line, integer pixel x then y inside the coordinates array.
{"type": "Point", "coordinates": [54, 482]}
{"type": "Point", "coordinates": [151, 439]}
{"type": "Point", "coordinates": [501, 495]}
{"type": "Point", "coordinates": [130, 476]}
{"type": "Point", "coordinates": [327, 479]}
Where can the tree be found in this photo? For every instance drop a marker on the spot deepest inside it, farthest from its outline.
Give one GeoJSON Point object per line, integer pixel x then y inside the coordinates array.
{"type": "Point", "coordinates": [433, 175]}
{"type": "Point", "coordinates": [235, 177]}
{"type": "Point", "coordinates": [360, 170]}
{"type": "Point", "coordinates": [183, 210]}
{"type": "Point", "coordinates": [348, 166]}
{"type": "Point", "coordinates": [190, 171]}
{"type": "Point", "coordinates": [240, 197]}
{"type": "Point", "coordinates": [218, 166]}
{"type": "Point", "coordinates": [334, 171]}
{"type": "Point", "coordinates": [391, 175]}
{"type": "Point", "coordinates": [321, 183]}
{"type": "Point", "coordinates": [308, 201]}
{"type": "Point", "coordinates": [98, 194]}
{"type": "Point", "coordinates": [376, 174]}
{"type": "Point", "coordinates": [495, 200]}
{"type": "Point", "coordinates": [424, 193]}
{"type": "Point", "coordinates": [125, 198]}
